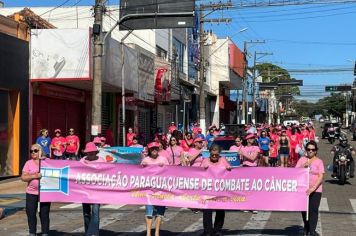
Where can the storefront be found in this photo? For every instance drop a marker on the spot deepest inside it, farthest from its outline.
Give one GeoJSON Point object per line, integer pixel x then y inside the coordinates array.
{"type": "Point", "coordinates": [58, 107]}
{"type": "Point", "coordinates": [14, 109]}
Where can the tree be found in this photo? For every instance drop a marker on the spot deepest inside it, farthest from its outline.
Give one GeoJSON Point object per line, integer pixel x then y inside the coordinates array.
{"type": "Point", "coordinates": [334, 104]}
{"type": "Point", "coordinates": [274, 73]}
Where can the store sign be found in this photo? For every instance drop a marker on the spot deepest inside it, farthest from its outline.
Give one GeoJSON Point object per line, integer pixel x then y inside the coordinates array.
{"type": "Point", "coordinates": [60, 54]}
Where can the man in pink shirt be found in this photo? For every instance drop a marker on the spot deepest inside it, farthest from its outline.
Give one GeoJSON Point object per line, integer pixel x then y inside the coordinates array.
{"type": "Point", "coordinates": [58, 145]}
{"type": "Point", "coordinates": [73, 145]}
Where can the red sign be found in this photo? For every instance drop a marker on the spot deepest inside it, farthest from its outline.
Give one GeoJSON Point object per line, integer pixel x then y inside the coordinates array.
{"type": "Point", "coordinates": [162, 86]}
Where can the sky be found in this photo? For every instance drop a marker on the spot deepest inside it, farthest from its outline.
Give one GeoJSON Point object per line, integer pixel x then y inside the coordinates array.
{"type": "Point", "coordinates": [305, 39]}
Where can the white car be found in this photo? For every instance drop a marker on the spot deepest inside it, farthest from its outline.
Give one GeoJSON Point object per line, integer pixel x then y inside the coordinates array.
{"type": "Point", "coordinates": [289, 122]}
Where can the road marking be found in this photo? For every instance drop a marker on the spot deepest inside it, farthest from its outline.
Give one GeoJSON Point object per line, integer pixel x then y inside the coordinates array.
{"type": "Point", "coordinates": [104, 221]}
{"type": "Point", "coordinates": [71, 206]}
{"type": "Point", "coordinates": [324, 204]}
{"type": "Point", "coordinates": [114, 207]}
{"type": "Point", "coordinates": [353, 216]}
{"type": "Point", "coordinates": [257, 223]}
{"type": "Point", "coordinates": [198, 225]}
{"type": "Point", "coordinates": [353, 204]}
{"type": "Point", "coordinates": [318, 226]}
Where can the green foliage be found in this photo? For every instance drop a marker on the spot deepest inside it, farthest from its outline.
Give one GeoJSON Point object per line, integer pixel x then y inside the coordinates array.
{"type": "Point", "coordinates": [274, 73]}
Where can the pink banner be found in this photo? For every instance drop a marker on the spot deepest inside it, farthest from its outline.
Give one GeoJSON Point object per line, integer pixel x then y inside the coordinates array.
{"type": "Point", "coordinates": [260, 188]}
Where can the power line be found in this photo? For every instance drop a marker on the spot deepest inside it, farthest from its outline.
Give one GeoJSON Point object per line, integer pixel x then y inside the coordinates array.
{"type": "Point", "coordinates": [60, 5]}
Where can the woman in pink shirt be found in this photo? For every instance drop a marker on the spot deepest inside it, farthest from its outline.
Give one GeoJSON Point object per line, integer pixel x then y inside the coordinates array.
{"type": "Point", "coordinates": [174, 152]}
{"type": "Point", "coordinates": [316, 173]}
{"type": "Point", "coordinates": [250, 152]}
{"type": "Point", "coordinates": [187, 142]}
{"type": "Point", "coordinates": [129, 137]}
{"type": "Point", "coordinates": [214, 161]}
{"type": "Point", "coordinates": [237, 147]}
{"type": "Point", "coordinates": [194, 157]}
{"type": "Point", "coordinates": [31, 174]}
{"type": "Point", "coordinates": [154, 158]}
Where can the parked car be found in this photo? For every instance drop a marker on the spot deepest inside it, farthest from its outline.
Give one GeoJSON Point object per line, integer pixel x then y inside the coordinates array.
{"type": "Point", "coordinates": [325, 127]}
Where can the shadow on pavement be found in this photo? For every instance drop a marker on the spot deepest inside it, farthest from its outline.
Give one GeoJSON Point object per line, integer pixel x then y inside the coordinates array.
{"type": "Point", "coordinates": [291, 230]}
{"type": "Point", "coordinates": [336, 181]}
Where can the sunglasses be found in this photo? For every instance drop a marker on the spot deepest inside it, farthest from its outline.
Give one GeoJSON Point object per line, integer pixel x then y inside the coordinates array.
{"type": "Point", "coordinates": [71, 131]}
{"type": "Point", "coordinates": [173, 140]}
{"type": "Point", "coordinates": [34, 151]}
{"type": "Point", "coordinates": [215, 155]}
{"type": "Point", "coordinates": [310, 149]}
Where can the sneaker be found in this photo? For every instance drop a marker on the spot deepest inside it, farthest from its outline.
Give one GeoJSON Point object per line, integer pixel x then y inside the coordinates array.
{"type": "Point", "coordinates": [333, 176]}
{"type": "Point", "coordinates": [254, 212]}
{"type": "Point", "coordinates": [246, 211]}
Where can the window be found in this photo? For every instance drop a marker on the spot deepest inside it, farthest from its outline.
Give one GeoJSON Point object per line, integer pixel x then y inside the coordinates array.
{"type": "Point", "coordinates": [161, 53]}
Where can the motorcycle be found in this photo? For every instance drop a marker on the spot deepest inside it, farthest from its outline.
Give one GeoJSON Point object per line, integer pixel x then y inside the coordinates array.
{"type": "Point", "coordinates": [342, 168]}
{"type": "Point", "coordinates": [331, 136]}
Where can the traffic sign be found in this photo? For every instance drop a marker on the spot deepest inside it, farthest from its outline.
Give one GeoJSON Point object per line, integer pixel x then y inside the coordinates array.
{"type": "Point", "coordinates": [339, 88]}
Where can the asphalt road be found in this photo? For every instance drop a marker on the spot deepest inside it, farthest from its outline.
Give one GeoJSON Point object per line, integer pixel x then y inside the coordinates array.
{"type": "Point", "coordinates": [337, 216]}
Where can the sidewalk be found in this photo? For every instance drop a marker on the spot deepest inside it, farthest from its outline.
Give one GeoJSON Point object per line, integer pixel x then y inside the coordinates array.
{"type": "Point", "coordinates": [12, 196]}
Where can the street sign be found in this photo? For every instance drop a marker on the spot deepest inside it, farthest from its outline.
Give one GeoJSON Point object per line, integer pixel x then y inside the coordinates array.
{"type": "Point", "coordinates": [174, 14]}
{"type": "Point", "coordinates": [338, 88]}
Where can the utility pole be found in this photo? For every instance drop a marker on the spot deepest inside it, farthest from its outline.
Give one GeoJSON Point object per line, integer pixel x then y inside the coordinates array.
{"type": "Point", "coordinates": [99, 10]}
{"type": "Point", "coordinates": [253, 118]}
{"type": "Point", "coordinates": [202, 19]}
{"type": "Point", "coordinates": [244, 119]}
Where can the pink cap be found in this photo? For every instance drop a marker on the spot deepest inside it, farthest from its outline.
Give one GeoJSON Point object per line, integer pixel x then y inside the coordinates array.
{"type": "Point", "coordinates": [90, 147]}
{"type": "Point", "coordinates": [152, 145]}
{"type": "Point", "coordinates": [199, 139]}
{"type": "Point", "coordinates": [57, 130]}
{"type": "Point", "coordinates": [250, 136]}
{"type": "Point", "coordinates": [97, 140]}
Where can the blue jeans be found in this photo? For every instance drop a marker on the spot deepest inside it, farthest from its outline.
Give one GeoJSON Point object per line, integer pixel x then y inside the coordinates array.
{"type": "Point", "coordinates": [152, 211]}
{"type": "Point", "coordinates": [91, 218]}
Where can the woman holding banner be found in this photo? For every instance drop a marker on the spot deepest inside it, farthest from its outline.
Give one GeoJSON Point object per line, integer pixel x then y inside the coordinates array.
{"type": "Point", "coordinates": [214, 161]}
{"type": "Point", "coordinates": [154, 158]}
{"type": "Point", "coordinates": [316, 174]}
{"type": "Point", "coordinates": [31, 174]}
{"type": "Point", "coordinates": [91, 211]}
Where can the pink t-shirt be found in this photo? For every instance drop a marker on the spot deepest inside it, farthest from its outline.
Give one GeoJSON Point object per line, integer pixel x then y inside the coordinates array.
{"type": "Point", "coordinates": [31, 167]}
{"type": "Point", "coordinates": [173, 154]}
{"type": "Point", "coordinates": [72, 142]}
{"type": "Point", "coordinates": [222, 163]}
{"type": "Point", "coordinates": [273, 151]}
{"type": "Point", "coordinates": [198, 160]}
{"type": "Point", "coordinates": [316, 167]}
{"type": "Point", "coordinates": [235, 148]}
{"type": "Point", "coordinates": [160, 160]}
{"type": "Point", "coordinates": [248, 150]}
{"type": "Point", "coordinates": [58, 143]}
{"type": "Point", "coordinates": [129, 138]}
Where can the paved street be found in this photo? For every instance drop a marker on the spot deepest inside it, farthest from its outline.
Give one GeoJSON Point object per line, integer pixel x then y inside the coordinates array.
{"type": "Point", "coordinates": [337, 215]}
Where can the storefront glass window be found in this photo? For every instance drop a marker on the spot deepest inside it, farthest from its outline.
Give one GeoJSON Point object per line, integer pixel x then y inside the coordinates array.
{"type": "Point", "coordinates": [5, 123]}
